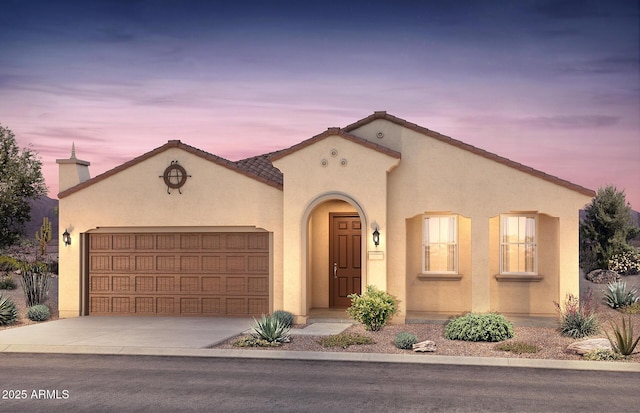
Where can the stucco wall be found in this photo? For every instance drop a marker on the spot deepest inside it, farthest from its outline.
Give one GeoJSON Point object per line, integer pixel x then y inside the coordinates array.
{"type": "Point", "coordinates": [436, 176]}
{"type": "Point", "coordinates": [214, 198]}
{"type": "Point", "coordinates": [360, 180]}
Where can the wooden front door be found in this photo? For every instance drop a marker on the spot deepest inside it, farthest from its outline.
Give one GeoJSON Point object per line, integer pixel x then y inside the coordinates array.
{"type": "Point", "coordinates": [345, 258]}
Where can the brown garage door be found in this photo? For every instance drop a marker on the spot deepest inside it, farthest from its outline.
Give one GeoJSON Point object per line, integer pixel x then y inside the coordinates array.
{"type": "Point", "coordinates": [185, 274]}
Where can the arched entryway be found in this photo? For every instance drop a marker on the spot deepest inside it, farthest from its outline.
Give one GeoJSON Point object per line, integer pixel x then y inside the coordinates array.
{"type": "Point", "coordinates": [334, 253]}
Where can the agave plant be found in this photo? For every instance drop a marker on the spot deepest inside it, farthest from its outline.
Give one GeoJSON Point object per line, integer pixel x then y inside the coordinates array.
{"type": "Point", "coordinates": [623, 343]}
{"type": "Point", "coordinates": [271, 329]}
{"type": "Point", "coordinates": [618, 296]}
{"type": "Point", "coordinates": [8, 311]}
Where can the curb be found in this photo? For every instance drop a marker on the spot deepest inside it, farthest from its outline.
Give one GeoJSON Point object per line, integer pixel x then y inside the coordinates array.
{"type": "Point", "coordinates": [580, 365]}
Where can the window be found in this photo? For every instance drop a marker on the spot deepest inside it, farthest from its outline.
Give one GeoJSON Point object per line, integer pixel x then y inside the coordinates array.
{"type": "Point", "coordinates": [518, 248]}
{"type": "Point", "coordinates": [440, 242]}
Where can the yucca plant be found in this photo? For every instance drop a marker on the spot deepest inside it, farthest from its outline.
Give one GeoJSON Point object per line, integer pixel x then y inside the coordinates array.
{"type": "Point", "coordinates": [623, 343]}
{"type": "Point", "coordinates": [271, 329]}
{"type": "Point", "coordinates": [618, 296]}
{"type": "Point", "coordinates": [8, 311]}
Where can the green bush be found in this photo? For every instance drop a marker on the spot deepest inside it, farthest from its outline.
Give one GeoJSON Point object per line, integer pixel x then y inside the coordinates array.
{"type": "Point", "coordinates": [270, 329]}
{"type": "Point", "coordinates": [623, 343]}
{"type": "Point", "coordinates": [518, 347]}
{"type": "Point", "coordinates": [249, 341]}
{"type": "Point", "coordinates": [284, 316]}
{"type": "Point", "coordinates": [601, 354]}
{"type": "Point", "coordinates": [373, 308]}
{"type": "Point", "coordinates": [618, 296]}
{"type": "Point", "coordinates": [7, 283]}
{"type": "Point", "coordinates": [405, 341]}
{"type": "Point", "coordinates": [7, 263]}
{"type": "Point", "coordinates": [577, 318]}
{"type": "Point", "coordinates": [8, 311]}
{"type": "Point", "coordinates": [38, 312]}
{"type": "Point", "coordinates": [626, 262]}
{"type": "Point", "coordinates": [345, 340]}
{"type": "Point", "coordinates": [479, 327]}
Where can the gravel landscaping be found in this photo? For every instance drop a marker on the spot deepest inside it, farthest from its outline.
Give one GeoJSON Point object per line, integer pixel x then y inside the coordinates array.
{"type": "Point", "coordinates": [550, 343]}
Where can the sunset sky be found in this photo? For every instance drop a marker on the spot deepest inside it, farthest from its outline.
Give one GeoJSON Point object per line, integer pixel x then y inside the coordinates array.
{"type": "Point", "coordinates": [554, 85]}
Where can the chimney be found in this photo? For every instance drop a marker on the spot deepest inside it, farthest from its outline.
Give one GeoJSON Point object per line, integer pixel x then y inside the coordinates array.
{"type": "Point", "coordinates": [72, 171]}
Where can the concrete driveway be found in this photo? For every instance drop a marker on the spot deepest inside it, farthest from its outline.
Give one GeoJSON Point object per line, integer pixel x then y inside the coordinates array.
{"type": "Point", "coordinates": [147, 332]}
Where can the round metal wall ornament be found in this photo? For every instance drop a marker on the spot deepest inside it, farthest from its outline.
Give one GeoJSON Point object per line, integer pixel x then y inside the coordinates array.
{"type": "Point", "coordinates": [343, 162]}
{"type": "Point", "coordinates": [174, 176]}
{"type": "Point", "coordinates": [324, 163]}
{"type": "Point", "coordinates": [334, 152]}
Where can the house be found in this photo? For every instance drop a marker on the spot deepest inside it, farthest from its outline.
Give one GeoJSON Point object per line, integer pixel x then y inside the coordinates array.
{"type": "Point", "coordinates": [443, 226]}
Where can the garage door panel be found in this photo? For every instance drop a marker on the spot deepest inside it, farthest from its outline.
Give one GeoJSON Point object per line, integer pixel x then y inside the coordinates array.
{"type": "Point", "coordinates": [209, 274]}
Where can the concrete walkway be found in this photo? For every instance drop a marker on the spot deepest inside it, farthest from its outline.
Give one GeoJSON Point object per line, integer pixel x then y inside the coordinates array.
{"type": "Point", "coordinates": [191, 337]}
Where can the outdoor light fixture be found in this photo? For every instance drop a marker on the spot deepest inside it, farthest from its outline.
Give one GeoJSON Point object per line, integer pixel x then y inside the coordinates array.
{"type": "Point", "coordinates": [376, 237]}
{"type": "Point", "coordinates": [66, 237]}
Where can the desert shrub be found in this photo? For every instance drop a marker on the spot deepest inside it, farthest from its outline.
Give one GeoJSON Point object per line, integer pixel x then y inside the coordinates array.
{"type": "Point", "coordinates": [35, 281]}
{"type": "Point", "coordinates": [518, 347]}
{"type": "Point", "coordinates": [618, 296]}
{"type": "Point", "coordinates": [249, 341]}
{"type": "Point", "coordinates": [284, 316]}
{"type": "Point", "coordinates": [626, 262]}
{"type": "Point", "coordinates": [8, 311]}
{"type": "Point", "coordinates": [578, 318]}
{"type": "Point", "coordinates": [7, 263]}
{"type": "Point", "coordinates": [270, 329]}
{"type": "Point", "coordinates": [345, 340]}
{"type": "Point", "coordinates": [601, 354]}
{"type": "Point", "coordinates": [479, 327]}
{"type": "Point", "coordinates": [405, 341]}
{"type": "Point", "coordinates": [631, 309]}
{"type": "Point", "coordinates": [623, 338]}
{"type": "Point", "coordinates": [38, 312]}
{"type": "Point", "coordinates": [7, 283]}
{"type": "Point", "coordinates": [373, 308]}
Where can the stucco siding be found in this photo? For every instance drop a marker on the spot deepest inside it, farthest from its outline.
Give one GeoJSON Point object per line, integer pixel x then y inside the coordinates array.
{"type": "Point", "coordinates": [213, 198]}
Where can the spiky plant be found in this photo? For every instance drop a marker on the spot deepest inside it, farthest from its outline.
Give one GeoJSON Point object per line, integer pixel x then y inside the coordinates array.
{"type": "Point", "coordinates": [8, 311]}
{"type": "Point", "coordinates": [623, 343]}
{"type": "Point", "coordinates": [618, 296]}
{"type": "Point", "coordinates": [271, 329]}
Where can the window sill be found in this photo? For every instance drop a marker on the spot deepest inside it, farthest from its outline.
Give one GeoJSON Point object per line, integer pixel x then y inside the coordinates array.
{"type": "Point", "coordinates": [439, 277]}
{"type": "Point", "coordinates": [519, 277]}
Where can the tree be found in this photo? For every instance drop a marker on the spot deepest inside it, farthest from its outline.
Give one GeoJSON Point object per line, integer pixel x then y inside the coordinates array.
{"type": "Point", "coordinates": [20, 181]}
{"type": "Point", "coordinates": [606, 229]}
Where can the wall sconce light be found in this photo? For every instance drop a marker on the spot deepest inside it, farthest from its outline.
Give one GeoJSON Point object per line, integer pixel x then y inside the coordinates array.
{"type": "Point", "coordinates": [376, 237]}
{"type": "Point", "coordinates": [66, 237]}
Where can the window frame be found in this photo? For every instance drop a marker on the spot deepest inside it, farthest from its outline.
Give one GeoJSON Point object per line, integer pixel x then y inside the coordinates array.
{"type": "Point", "coordinates": [536, 237]}
{"type": "Point", "coordinates": [455, 243]}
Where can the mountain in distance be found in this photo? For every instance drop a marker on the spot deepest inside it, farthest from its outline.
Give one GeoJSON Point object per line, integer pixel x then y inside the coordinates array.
{"type": "Point", "coordinates": [40, 208]}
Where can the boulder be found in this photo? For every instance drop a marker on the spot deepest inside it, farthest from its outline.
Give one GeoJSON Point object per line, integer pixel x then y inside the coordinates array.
{"type": "Point", "coordinates": [602, 276]}
{"type": "Point", "coordinates": [425, 346]}
{"type": "Point", "coordinates": [587, 346]}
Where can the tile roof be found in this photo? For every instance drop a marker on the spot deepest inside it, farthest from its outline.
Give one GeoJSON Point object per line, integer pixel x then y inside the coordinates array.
{"type": "Point", "coordinates": [261, 166]}
{"type": "Point", "coordinates": [446, 139]}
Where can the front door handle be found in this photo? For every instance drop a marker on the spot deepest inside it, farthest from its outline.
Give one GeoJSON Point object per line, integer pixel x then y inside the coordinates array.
{"type": "Point", "coordinates": [335, 270]}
